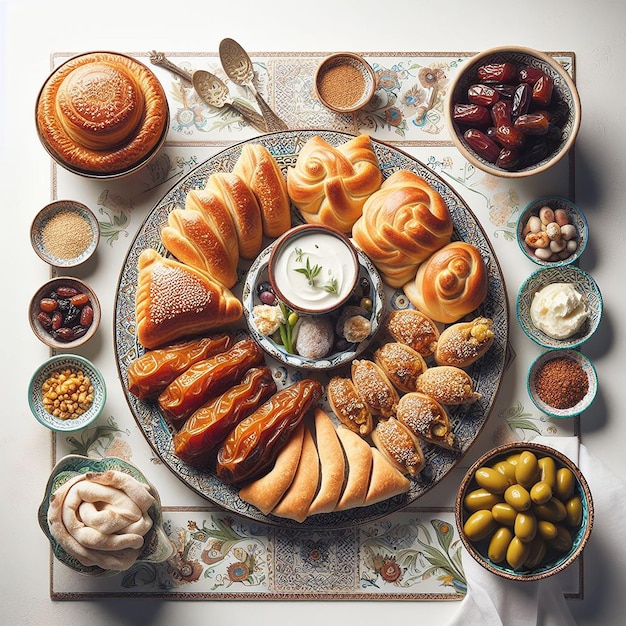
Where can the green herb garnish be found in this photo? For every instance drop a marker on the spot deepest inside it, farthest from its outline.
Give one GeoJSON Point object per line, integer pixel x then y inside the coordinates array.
{"type": "Point", "coordinates": [312, 272]}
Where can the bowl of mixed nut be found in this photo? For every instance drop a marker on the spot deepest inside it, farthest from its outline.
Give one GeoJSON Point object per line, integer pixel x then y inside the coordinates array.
{"type": "Point", "coordinates": [66, 393]}
{"type": "Point", "coordinates": [64, 313]}
{"type": "Point", "coordinates": [513, 111]}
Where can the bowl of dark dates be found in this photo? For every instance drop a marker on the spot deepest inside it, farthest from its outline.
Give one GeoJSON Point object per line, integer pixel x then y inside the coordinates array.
{"type": "Point", "coordinates": [64, 313]}
{"type": "Point", "coordinates": [513, 111]}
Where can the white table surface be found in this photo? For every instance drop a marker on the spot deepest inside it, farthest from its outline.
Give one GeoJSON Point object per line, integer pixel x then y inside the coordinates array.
{"type": "Point", "coordinates": [30, 32]}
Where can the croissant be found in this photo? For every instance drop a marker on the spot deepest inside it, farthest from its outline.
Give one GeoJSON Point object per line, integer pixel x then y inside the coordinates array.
{"type": "Point", "coordinates": [331, 184]}
{"type": "Point", "coordinates": [463, 343]}
{"type": "Point", "coordinates": [402, 224]}
{"type": "Point", "coordinates": [452, 283]}
{"type": "Point", "coordinates": [260, 171]}
{"type": "Point", "coordinates": [174, 301]}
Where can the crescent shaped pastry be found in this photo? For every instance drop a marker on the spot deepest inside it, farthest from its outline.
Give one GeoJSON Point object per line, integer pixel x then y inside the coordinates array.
{"type": "Point", "coordinates": [448, 385]}
{"type": "Point", "coordinates": [463, 343]}
{"type": "Point", "coordinates": [452, 283]}
{"type": "Point", "coordinates": [426, 419]}
{"type": "Point", "coordinates": [331, 184]}
{"type": "Point", "coordinates": [402, 224]}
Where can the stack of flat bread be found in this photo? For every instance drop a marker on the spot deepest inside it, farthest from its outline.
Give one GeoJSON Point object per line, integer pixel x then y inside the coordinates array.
{"type": "Point", "coordinates": [323, 469]}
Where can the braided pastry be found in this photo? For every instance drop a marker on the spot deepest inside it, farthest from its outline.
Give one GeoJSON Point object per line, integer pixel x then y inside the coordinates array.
{"type": "Point", "coordinates": [450, 284]}
{"type": "Point", "coordinates": [402, 224]}
{"type": "Point", "coordinates": [330, 184]}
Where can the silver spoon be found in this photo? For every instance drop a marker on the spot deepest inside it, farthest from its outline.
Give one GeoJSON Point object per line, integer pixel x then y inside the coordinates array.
{"type": "Point", "coordinates": [211, 89]}
{"type": "Point", "coordinates": [238, 67]}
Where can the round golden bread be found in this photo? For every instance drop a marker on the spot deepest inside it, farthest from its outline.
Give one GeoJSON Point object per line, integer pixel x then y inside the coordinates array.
{"type": "Point", "coordinates": [102, 113]}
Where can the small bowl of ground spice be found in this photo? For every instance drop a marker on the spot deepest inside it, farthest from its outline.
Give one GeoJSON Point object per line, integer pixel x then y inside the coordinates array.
{"type": "Point", "coordinates": [66, 393]}
{"type": "Point", "coordinates": [562, 383]}
{"type": "Point", "coordinates": [65, 233]}
{"type": "Point", "coordinates": [345, 82]}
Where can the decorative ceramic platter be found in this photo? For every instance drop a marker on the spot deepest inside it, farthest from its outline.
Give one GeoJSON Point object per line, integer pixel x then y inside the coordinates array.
{"type": "Point", "coordinates": [466, 421]}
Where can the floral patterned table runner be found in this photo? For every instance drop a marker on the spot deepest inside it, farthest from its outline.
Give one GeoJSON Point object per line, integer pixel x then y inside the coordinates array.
{"type": "Point", "coordinates": [413, 554]}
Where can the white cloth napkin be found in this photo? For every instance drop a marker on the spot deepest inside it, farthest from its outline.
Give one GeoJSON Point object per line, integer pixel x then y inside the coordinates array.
{"type": "Point", "coordinates": [494, 601]}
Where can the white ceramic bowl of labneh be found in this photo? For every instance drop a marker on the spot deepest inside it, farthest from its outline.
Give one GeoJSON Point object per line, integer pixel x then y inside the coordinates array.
{"type": "Point", "coordinates": [319, 318]}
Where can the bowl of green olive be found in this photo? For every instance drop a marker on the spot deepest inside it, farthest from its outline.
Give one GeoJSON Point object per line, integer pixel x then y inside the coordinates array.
{"type": "Point", "coordinates": [524, 511]}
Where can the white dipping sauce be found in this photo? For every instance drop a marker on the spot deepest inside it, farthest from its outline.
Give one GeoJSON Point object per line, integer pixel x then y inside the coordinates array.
{"type": "Point", "coordinates": [558, 310]}
{"type": "Point", "coordinates": [329, 286]}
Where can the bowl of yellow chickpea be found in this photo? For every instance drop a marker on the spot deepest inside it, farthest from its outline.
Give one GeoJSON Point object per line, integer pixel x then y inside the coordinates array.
{"type": "Point", "coordinates": [524, 511]}
{"type": "Point", "coordinates": [66, 393]}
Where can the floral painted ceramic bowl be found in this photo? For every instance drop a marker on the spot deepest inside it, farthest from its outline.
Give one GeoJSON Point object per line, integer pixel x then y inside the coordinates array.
{"type": "Point", "coordinates": [156, 548]}
{"type": "Point", "coordinates": [524, 533]}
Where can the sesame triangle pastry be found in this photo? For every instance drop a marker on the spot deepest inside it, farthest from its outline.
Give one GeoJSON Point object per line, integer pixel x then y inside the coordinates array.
{"type": "Point", "coordinates": [427, 419]}
{"type": "Point", "coordinates": [386, 480]}
{"type": "Point", "coordinates": [448, 385]}
{"type": "Point", "coordinates": [463, 343]}
{"type": "Point", "coordinates": [413, 328]}
{"type": "Point", "coordinates": [401, 363]}
{"type": "Point", "coordinates": [332, 464]}
{"type": "Point", "coordinates": [359, 460]}
{"type": "Point", "coordinates": [399, 446]}
{"type": "Point", "coordinates": [348, 406]}
{"type": "Point", "coordinates": [175, 301]}
{"type": "Point", "coordinates": [374, 388]}
{"type": "Point", "coordinates": [265, 492]}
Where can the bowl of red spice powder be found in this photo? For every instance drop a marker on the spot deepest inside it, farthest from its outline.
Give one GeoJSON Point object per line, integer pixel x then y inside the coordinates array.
{"type": "Point", "coordinates": [65, 233]}
{"type": "Point", "coordinates": [345, 82]}
{"type": "Point", "coordinates": [562, 383]}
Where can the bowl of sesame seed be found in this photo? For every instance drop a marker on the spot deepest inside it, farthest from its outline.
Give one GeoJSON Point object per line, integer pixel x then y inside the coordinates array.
{"type": "Point", "coordinates": [65, 233]}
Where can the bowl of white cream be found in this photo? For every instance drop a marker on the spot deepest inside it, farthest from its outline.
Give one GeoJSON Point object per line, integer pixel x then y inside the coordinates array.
{"type": "Point", "coordinates": [559, 307]}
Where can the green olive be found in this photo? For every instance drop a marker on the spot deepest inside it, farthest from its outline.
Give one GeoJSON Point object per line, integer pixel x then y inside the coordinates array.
{"type": "Point", "coordinates": [525, 526]}
{"type": "Point", "coordinates": [552, 511]}
{"type": "Point", "coordinates": [563, 540]}
{"type": "Point", "coordinates": [518, 497]}
{"type": "Point", "coordinates": [536, 553]}
{"type": "Point", "coordinates": [292, 319]}
{"type": "Point", "coordinates": [574, 508]}
{"type": "Point", "coordinates": [491, 480]}
{"type": "Point", "coordinates": [517, 553]}
{"type": "Point", "coordinates": [527, 469]}
{"type": "Point", "coordinates": [546, 530]}
{"type": "Point", "coordinates": [504, 513]}
{"type": "Point", "coordinates": [506, 468]}
{"type": "Point", "coordinates": [499, 544]}
{"type": "Point", "coordinates": [513, 458]}
{"type": "Point", "coordinates": [480, 499]}
{"type": "Point", "coordinates": [547, 468]}
{"type": "Point", "coordinates": [565, 483]}
{"type": "Point", "coordinates": [479, 524]}
{"type": "Point", "coordinates": [540, 492]}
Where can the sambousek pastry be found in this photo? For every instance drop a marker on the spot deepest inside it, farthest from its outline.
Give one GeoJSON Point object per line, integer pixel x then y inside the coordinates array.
{"type": "Point", "coordinates": [414, 329]}
{"type": "Point", "coordinates": [450, 284]}
{"type": "Point", "coordinates": [426, 418]}
{"type": "Point", "coordinates": [401, 363]}
{"type": "Point", "coordinates": [101, 518]}
{"type": "Point", "coordinates": [399, 446]}
{"type": "Point", "coordinates": [448, 384]}
{"type": "Point", "coordinates": [348, 406]}
{"type": "Point", "coordinates": [358, 454]}
{"type": "Point", "coordinates": [102, 113]}
{"type": "Point", "coordinates": [175, 301]}
{"type": "Point", "coordinates": [374, 388]}
{"type": "Point", "coordinates": [463, 343]}
{"type": "Point", "coordinates": [330, 184]}
{"type": "Point", "coordinates": [402, 224]}
{"type": "Point", "coordinates": [261, 173]}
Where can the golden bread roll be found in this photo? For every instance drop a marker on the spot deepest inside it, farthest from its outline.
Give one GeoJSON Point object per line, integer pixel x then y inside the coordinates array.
{"type": "Point", "coordinates": [358, 454]}
{"type": "Point", "coordinates": [102, 112]}
{"type": "Point", "coordinates": [463, 343]}
{"type": "Point", "coordinates": [448, 385]}
{"type": "Point", "coordinates": [261, 173]}
{"type": "Point", "coordinates": [402, 224]}
{"type": "Point", "coordinates": [401, 363]}
{"type": "Point", "coordinates": [265, 492]}
{"type": "Point", "coordinates": [374, 388]}
{"type": "Point", "coordinates": [332, 464]}
{"type": "Point", "coordinates": [195, 240]}
{"type": "Point", "coordinates": [329, 184]}
{"type": "Point", "coordinates": [348, 406]}
{"type": "Point", "coordinates": [414, 329]}
{"type": "Point", "coordinates": [298, 497]}
{"type": "Point", "coordinates": [386, 480]}
{"type": "Point", "coordinates": [426, 419]}
{"type": "Point", "coordinates": [452, 283]}
{"type": "Point", "coordinates": [174, 301]}
{"type": "Point", "coordinates": [244, 210]}
{"type": "Point", "coordinates": [399, 446]}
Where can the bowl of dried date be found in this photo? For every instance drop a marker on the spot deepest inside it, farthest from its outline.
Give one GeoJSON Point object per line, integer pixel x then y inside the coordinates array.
{"type": "Point", "coordinates": [64, 313]}
{"type": "Point", "coordinates": [513, 111]}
